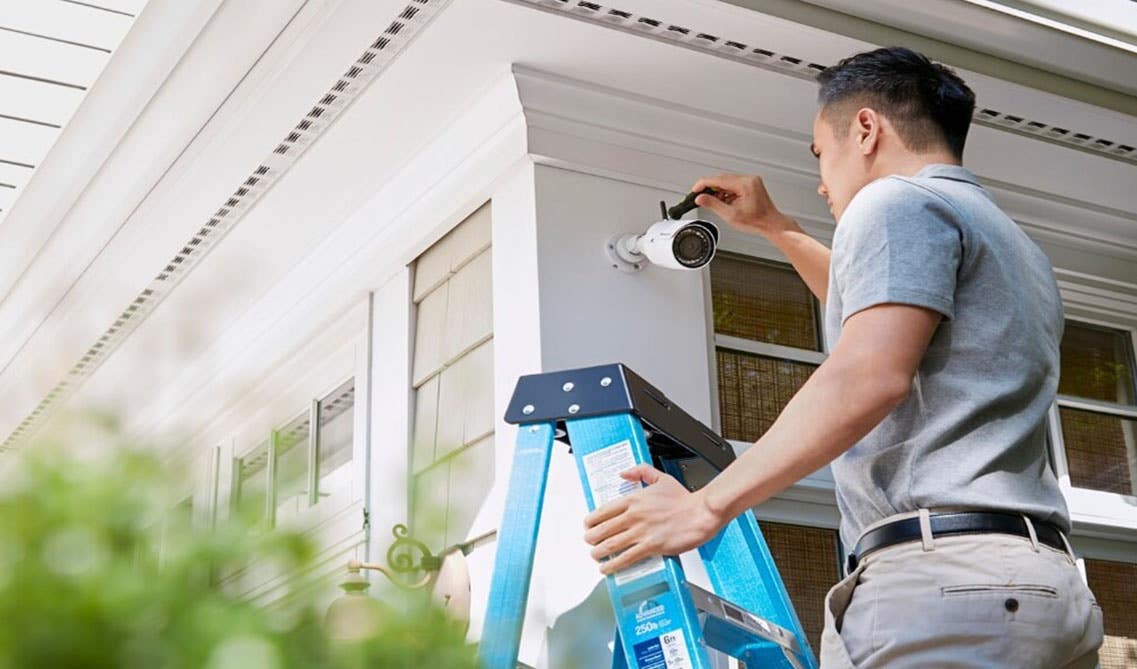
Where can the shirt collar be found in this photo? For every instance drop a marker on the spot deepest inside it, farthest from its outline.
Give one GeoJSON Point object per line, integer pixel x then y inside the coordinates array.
{"type": "Point", "coordinates": [944, 171]}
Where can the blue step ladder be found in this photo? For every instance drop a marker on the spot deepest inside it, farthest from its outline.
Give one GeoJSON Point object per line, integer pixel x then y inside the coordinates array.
{"type": "Point", "coordinates": [613, 420]}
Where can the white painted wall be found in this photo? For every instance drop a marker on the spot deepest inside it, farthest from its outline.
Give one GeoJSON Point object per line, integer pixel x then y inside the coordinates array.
{"type": "Point", "coordinates": [653, 320]}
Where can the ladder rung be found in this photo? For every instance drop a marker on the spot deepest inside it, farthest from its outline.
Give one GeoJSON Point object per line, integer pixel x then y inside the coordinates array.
{"type": "Point", "coordinates": [711, 604]}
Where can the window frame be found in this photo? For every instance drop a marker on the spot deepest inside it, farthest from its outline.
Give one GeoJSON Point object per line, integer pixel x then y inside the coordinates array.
{"type": "Point", "coordinates": [233, 497]}
{"type": "Point", "coordinates": [330, 526]}
{"type": "Point", "coordinates": [810, 502]}
{"type": "Point", "coordinates": [336, 353]}
{"type": "Point", "coordinates": [818, 487]}
{"type": "Point", "coordinates": [461, 246]}
{"type": "Point", "coordinates": [1098, 507]}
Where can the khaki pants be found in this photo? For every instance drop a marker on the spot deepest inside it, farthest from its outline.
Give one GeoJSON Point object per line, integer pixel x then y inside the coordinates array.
{"type": "Point", "coordinates": [983, 600]}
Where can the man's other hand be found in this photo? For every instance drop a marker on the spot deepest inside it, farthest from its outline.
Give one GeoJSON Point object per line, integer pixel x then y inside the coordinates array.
{"type": "Point", "coordinates": [743, 203]}
{"type": "Point", "coordinates": [663, 518]}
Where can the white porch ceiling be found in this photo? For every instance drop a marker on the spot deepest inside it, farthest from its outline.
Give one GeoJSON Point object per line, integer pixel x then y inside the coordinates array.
{"type": "Point", "coordinates": [46, 329]}
{"type": "Point", "coordinates": [51, 54]}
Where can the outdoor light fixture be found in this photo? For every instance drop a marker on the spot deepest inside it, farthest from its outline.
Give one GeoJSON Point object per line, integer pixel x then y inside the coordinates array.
{"type": "Point", "coordinates": [355, 615]}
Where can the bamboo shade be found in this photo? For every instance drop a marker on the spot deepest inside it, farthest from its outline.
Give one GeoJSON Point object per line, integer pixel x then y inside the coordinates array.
{"type": "Point", "coordinates": [753, 389]}
{"type": "Point", "coordinates": [1112, 584]}
{"type": "Point", "coordinates": [807, 560]}
{"type": "Point", "coordinates": [762, 301]}
{"type": "Point", "coordinates": [1097, 363]}
{"type": "Point", "coordinates": [1101, 450]}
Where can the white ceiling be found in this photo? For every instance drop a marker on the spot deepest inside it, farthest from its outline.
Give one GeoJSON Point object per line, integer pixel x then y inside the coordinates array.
{"type": "Point", "coordinates": [1085, 41]}
{"type": "Point", "coordinates": [1110, 22]}
{"type": "Point", "coordinates": [259, 65]}
{"type": "Point", "coordinates": [51, 54]}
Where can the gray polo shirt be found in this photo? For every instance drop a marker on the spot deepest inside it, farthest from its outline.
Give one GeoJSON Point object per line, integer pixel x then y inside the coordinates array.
{"type": "Point", "coordinates": [972, 431]}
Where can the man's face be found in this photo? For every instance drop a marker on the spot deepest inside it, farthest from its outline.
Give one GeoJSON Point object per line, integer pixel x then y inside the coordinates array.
{"type": "Point", "coordinates": [844, 170]}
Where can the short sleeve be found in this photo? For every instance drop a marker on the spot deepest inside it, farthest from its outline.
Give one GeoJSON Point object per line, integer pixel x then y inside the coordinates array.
{"type": "Point", "coordinates": [898, 243]}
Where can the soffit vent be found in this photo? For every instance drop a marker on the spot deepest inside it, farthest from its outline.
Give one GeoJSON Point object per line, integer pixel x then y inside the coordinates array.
{"type": "Point", "coordinates": [1026, 126]}
{"type": "Point", "coordinates": [756, 56]}
{"type": "Point", "coordinates": [370, 63]}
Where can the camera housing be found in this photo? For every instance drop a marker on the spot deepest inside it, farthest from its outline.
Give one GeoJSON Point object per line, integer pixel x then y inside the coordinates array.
{"type": "Point", "coordinates": [674, 244]}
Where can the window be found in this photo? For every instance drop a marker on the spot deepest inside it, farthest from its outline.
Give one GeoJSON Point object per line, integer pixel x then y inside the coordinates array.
{"type": "Point", "coordinates": [767, 341]}
{"type": "Point", "coordinates": [291, 480]}
{"type": "Point", "coordinates": [1097, 408]}
{"type": "Point", "coordinates": [250, 482]}
{"type": "Point", "coordinates": [807, 559]}
{"type": "Point", "coordinates": [336, 413]}
{"type": "Point", "coordinates": [753, 389]}
{"type": "Point", "coordinates": [763, 301]}
{"type": "Point", "coordinates": [453, 377]}
{"type": "Point", "coordinates": [1112, 584]}
{"type": "Point", "coordinates": [299, 462]}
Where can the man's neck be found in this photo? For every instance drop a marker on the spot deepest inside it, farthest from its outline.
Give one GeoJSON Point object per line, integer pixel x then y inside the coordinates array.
{"type": "Point", "coordinates": [909, 164]}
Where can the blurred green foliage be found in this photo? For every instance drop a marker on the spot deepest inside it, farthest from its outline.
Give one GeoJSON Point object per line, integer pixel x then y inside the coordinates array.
{"type": "Point", "coordinates": [101, 567]}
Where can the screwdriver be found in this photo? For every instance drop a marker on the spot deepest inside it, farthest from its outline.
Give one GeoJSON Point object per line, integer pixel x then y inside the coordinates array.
{"type": "Point", "coordinates": [687, 204]}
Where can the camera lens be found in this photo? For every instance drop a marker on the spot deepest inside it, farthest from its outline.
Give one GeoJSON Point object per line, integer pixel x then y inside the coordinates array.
{"type": "Point", "coordinates": [693, 246]}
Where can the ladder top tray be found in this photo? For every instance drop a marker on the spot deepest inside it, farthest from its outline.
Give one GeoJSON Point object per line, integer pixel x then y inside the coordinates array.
{"type": "Point", "coordinates": [554, 397]}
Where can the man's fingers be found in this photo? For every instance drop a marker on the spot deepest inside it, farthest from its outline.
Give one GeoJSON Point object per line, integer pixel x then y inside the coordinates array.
{"type": "Point", "coordinates": [645, 473]}
{"type": "Point", "coordinates": [626, 559]}
{"type": "Point", "coordinates": [714, 204]}
{"type": "Point", "coordinates": [612, 545]}
{"type": "Point", "coordinates": [727, 182]}
{"type": "Point", "coordinates": [606, 529]}
{"type": "Point", "coordinates": [703, 183]}
{"type": "Point", "coordinates": [609, 510]}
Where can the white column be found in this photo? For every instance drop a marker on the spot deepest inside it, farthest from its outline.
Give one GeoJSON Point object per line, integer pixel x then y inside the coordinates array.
{"type": "Point", "coordinates": [388, 436]}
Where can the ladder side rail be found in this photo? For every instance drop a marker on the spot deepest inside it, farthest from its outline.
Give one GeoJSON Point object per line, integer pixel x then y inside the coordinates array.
{"type": "Point", "coordinates": [619, 655]}
{"type": "Point", "coordinates": [742, 570]}
{"type": "Point", "coordinates": [654, 610]}
{"type": "Point", "coordinates": [513, 564]}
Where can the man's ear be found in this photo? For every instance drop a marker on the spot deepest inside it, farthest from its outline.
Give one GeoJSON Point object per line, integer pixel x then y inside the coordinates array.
{"type": "Point", "coordinates": [867, 125]}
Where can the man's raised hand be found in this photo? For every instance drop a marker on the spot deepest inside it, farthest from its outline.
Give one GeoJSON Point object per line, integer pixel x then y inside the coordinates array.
{"type": "Point", "coordinates": [742, 202]}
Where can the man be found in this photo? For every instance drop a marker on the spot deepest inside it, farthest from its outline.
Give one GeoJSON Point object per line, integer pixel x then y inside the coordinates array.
{"type": "Point", "coordinates": [944, 320]}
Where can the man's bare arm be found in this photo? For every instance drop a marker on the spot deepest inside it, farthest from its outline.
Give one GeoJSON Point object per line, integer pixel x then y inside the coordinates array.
{"type": "Point", "coordinates": [864, 378]}
{"type": "Point", "coordinates": [862, 381]}
{"type": "Point", "coordinates": [808, 256]}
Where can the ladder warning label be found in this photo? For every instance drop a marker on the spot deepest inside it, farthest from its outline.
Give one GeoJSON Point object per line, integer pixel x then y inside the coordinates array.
{"type": "Point", "coordinates": [667, 651]}
{"type": "Point", "coordinates": [603, 468]}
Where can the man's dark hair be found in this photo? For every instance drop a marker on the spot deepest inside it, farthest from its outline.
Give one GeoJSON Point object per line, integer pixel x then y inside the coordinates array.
{"type": "Point", "coordinates": [927, 103]}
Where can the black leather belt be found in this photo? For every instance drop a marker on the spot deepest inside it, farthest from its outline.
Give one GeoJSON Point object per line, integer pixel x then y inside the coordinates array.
{"type": "Point", "coordinates": [947, 524]}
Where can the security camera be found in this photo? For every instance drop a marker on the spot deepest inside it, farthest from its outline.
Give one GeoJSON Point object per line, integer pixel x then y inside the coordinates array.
{"type": "Point", "coordinates": [683, 244]}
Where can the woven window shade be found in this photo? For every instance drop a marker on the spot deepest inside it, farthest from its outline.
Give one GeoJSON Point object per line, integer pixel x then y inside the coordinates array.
{"type": "Point", "coordinates": [250, 492]}
{"type": "Point", "coordinates": [292, 445]}
{"type": "Point", "coordinates": [1112, 584]}
{"type": "Point", "coordinates": [1101, 450]}
{"type": "Point", "coordinates": [1097, 363]}
{"type": "Point", "coordinates": [336, 433]}
{"type": "Point", "coordinates": [762, 301]}
{"type": "Point", "coordinates": [807, 560]}
{"type": "Point", "coordinates": [753, 390]}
